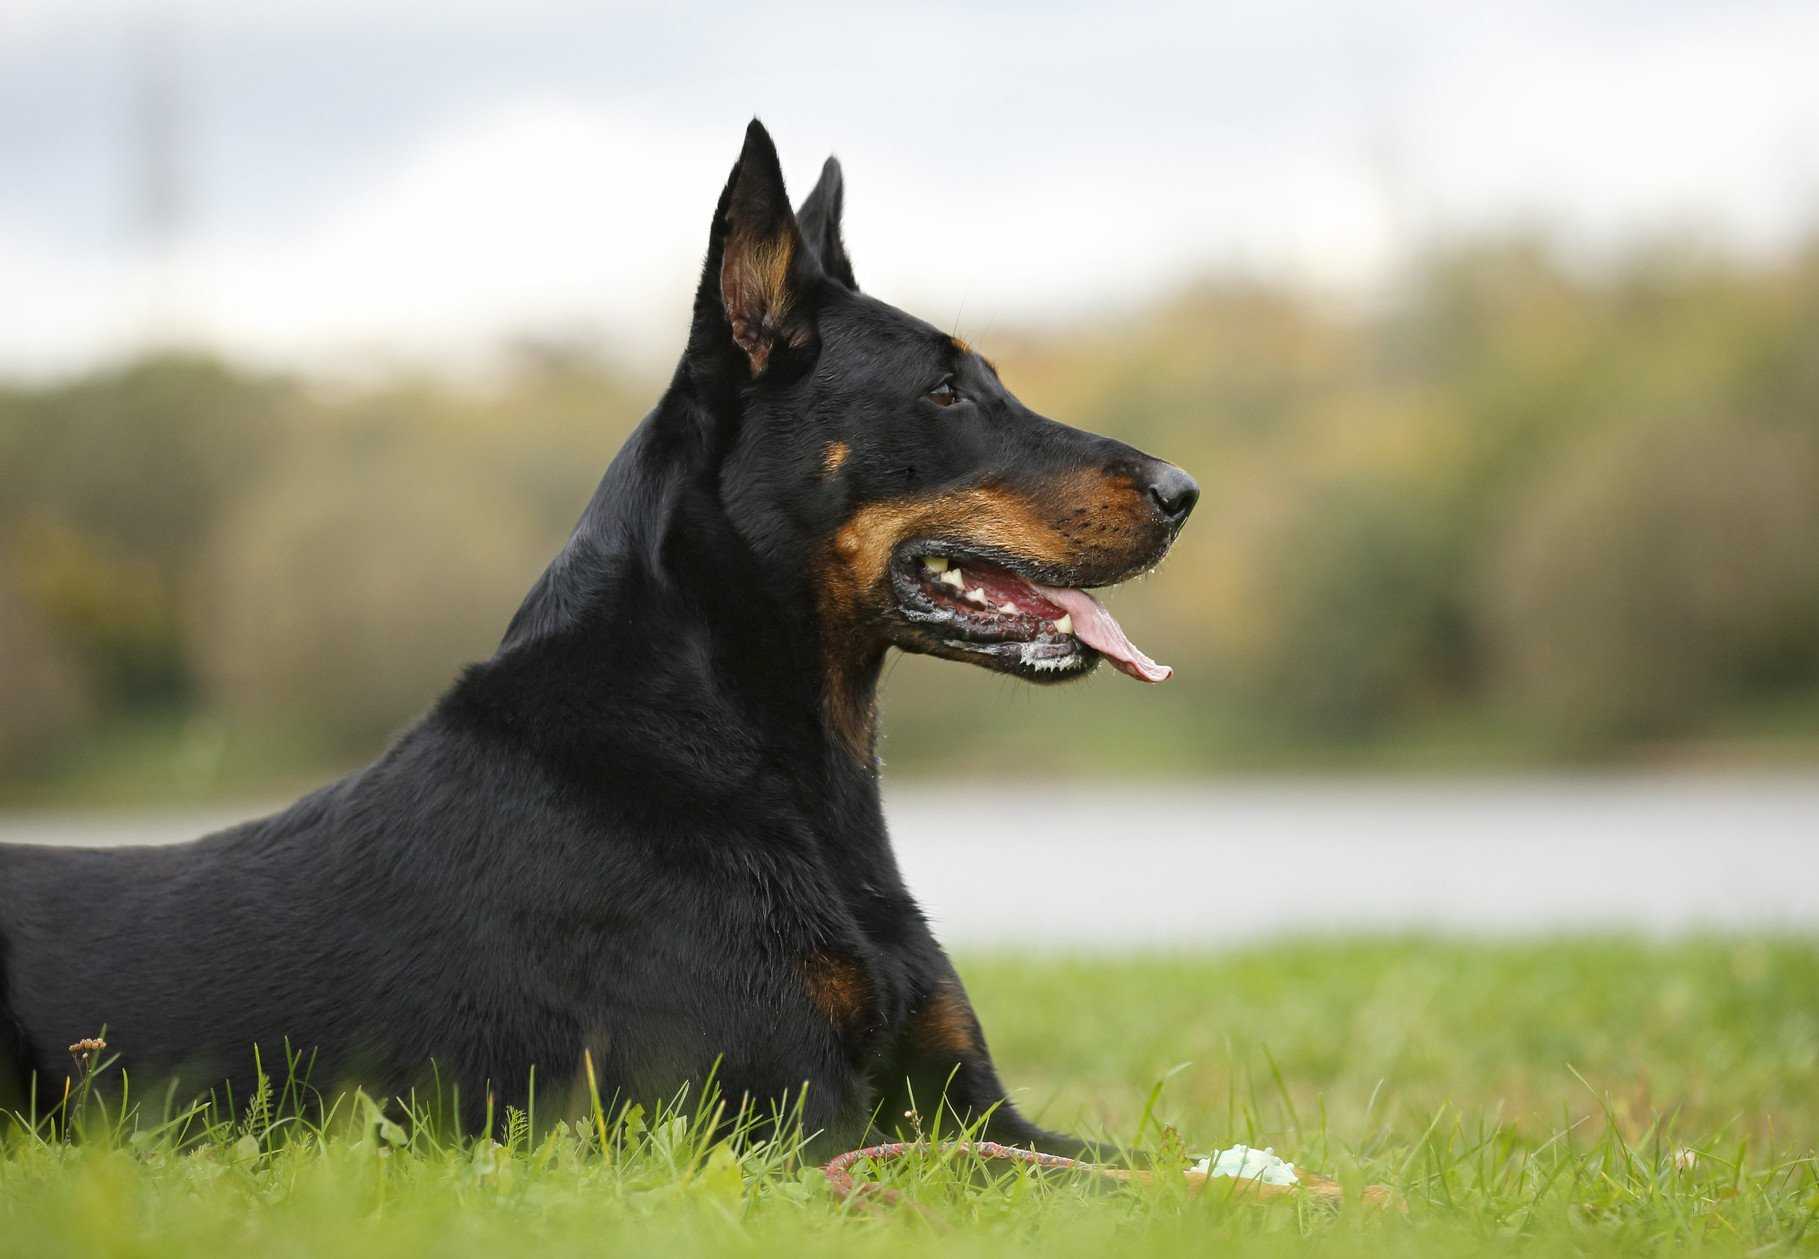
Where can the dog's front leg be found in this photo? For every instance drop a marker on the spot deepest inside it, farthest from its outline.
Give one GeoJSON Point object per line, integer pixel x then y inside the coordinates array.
{"type": "Point", "coordinates": [944, 1064]}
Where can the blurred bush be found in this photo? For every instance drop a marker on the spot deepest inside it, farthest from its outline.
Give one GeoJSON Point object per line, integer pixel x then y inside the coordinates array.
{"type": "Point", "coordinates": [110, 486]}
{"type": "Point", "coordinates": [1521, 508]}
{"type": "Point", "coordinates": [1360, 609]}
{"type": "Point", "coordinates": [347, 593]}
{"type": "Point", "coordinates": [1664, 568]}
{"type": "Point", "coordinates": [41, 694]}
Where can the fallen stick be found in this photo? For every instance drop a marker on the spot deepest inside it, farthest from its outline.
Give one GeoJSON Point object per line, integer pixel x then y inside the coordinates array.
{"type": "Point", "coordinates": [839, 1174]}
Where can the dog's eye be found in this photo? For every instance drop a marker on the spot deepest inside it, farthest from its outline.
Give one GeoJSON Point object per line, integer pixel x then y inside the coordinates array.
{"type": "Point", "coordinates": [944, 394]}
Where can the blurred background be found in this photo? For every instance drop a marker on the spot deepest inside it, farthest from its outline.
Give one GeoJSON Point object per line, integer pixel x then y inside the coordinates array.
{"type": "Point", "coordinates": [1491, 336]}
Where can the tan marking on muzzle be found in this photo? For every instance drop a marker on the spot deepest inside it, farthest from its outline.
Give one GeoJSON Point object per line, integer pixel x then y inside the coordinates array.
{"type": "Point", "coordinates": [980, 517]}
{"type": "Point", "coordinates": [1085, 520]}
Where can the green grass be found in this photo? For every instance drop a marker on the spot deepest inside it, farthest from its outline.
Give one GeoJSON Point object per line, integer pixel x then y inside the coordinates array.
{"type": "Point", "coordinates": [1590, 1096]}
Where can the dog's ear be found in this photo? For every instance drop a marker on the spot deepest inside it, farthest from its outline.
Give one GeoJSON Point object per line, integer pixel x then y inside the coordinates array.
{"type": "Point", "coordinates": [759, 274]}
{"type": "Point", "coordinates": [820, 220]}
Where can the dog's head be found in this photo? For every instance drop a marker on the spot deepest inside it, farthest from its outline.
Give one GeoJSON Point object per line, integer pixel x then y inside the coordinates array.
{"type": "Point", "coordinates": [886, 460]}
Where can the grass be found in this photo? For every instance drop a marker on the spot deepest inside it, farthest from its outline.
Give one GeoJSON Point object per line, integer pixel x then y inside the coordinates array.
{"type": "Point", "coordinates": [1588, 1096]}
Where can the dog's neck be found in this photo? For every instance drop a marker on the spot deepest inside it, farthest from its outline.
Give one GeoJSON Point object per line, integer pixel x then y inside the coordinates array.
{"type": "Point", "coordinates": [657, 604]}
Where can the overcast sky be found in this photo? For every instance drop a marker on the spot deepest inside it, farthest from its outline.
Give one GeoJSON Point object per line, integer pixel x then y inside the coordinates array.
{"type": "Point", "coordinates": [348, 179]}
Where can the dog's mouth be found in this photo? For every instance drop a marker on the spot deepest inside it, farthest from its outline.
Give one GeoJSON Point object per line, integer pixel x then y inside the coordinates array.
{"type": "Point", "coordinates": [976, 608]}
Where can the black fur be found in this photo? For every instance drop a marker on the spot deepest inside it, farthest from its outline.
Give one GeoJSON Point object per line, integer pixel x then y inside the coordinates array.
{"type": "Point", "coordinates": [649, 826]}
{"type": "Point", "coordinates": [15, 1068]}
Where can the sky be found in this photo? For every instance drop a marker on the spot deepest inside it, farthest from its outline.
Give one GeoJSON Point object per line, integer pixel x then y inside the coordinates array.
{"type": "Point", "coordinates": [344, 181]}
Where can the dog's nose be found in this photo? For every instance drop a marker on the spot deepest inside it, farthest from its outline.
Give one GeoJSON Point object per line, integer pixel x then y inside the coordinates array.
{"type": "Point", "coordinates": [1175, 492]}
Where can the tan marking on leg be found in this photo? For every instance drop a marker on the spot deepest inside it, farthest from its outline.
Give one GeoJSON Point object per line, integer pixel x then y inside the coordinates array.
{"type": "Point", "coordinates": [945, 1023]}
{"type": "Point", "coordinates": [838, 987]}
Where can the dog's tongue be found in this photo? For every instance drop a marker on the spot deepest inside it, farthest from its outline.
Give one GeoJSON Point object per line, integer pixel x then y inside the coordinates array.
{"type": "Point", "coordinates": [1094, 626]}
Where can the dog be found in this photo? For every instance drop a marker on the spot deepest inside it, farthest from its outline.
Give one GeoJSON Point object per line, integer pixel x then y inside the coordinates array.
{"type": "Point", "coordinates": [645, 836]}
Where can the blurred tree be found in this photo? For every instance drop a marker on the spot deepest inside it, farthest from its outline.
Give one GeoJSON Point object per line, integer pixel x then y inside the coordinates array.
{"type": "Point", "coordinates": [1660, 570]}
{"type": "Point", "coordinates": [1360, 598]}
{"type": "Point", "coordinates": [1518, 485]}
{"type": "Point", "coordinates": [42, 697]}
{"type": "Point", "coordinates": [347, 594]}
{"type": "Point", "coordinates": [112, 484]}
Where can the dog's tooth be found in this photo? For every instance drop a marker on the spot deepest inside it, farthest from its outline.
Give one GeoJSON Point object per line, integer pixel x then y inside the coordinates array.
{"type": "Point", "coordinates": [1066, 624]}
{"type": "Point", "coordinates": [953, 577]}
{"type": "Point", "coordinates": [1008, 607]}
{"type": "Point", "coordinates": [934, 563]}
{"type": "Point", "coordinates": [977, 595]}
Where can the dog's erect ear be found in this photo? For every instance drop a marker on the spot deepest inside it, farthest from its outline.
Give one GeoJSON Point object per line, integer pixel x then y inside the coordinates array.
{"type": "Point", "coordinates": [820, 220]}
{"type": "Point", "coordinates": [759, 273]}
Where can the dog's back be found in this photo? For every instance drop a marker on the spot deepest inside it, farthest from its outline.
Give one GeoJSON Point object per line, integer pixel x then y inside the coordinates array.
{"type": "Point", "coordinates": [150, 945]}
{"type": "Point", "coordinates": [192, 957]}
{"type": "Point", "coordinates": [306, 930]}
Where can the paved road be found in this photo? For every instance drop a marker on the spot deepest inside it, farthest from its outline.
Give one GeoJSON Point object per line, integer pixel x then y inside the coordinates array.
{"type": "Point", "coordinates": [1097, 865]}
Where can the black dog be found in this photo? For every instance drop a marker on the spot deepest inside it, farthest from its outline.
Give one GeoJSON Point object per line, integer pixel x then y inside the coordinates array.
{"type": "Point", "coordinates": [649, 826]}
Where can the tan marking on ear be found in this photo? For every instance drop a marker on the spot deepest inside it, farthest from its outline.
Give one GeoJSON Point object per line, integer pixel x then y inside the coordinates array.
{"type": "Point", "coordinates": [838, 987]}
{"type": "Point", "coordinates": [945, 1023]}
{"type": "Point", "coordinates": [962, 344]}
{"type": "Point", "coordinates": [754, 287]}
{"type": "Point", "coordinates": [771, 261]}
{"type": "Point", "coordinates": [833, 455]}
